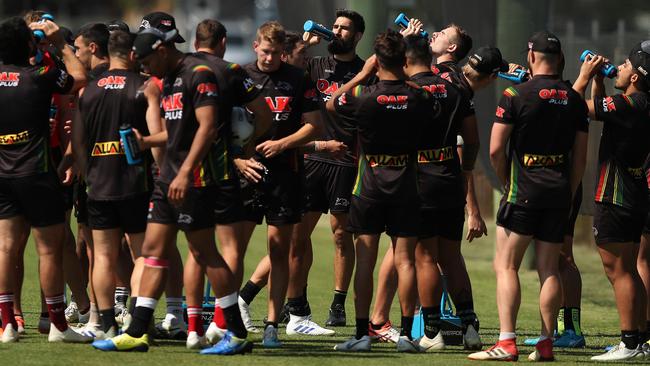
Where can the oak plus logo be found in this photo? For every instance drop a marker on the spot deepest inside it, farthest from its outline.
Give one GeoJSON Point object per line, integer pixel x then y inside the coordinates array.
{"type": "Point", "coordinates": [209, 89]}
{"type": "Point", "coordinates": [9, 79]}
{"type": "Point", "coordinates": [173, 106]}
{"type": "Point", "coordinates": [399, 102]}
{"type": "Point", "coordinates": [327, 88]}
{"type": "Point", "coordinates": [112, 82]}
{"type": "Point", "coordinates": [439, 91]}
{"type": "Point", "coordinates": [608, 105]}
{"type": "Point", "coordinates": [555, 96]}
{"type": "Point", "coordinates": [280, 106]}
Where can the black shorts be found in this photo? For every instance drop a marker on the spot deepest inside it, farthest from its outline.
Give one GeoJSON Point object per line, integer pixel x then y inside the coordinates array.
{"type": "Point", "coordinates": [278, 198]}
{"type": "Point", "coordinates": [616, 224]}
{"type": "Point", "coordinates": [548, 224]}
{"type": "Point", "coordinates": [328, 187]}
{"type": "Point", "coordinates": [129, 214]}
{"type": "Point", "coordinates": [38, 198]}
{"type": "Point", "coordinates": [196, 212]}
{"type": "Point", "coordinates": [229, 207]}
{"type": "Point", "coordinates": [79, 197]}
{"type": "Point", "coordinates": [443, 222]}
{"type": "Point", "coordinates": [400, 219]}
{"type": "Point", "coordinates": [575, 210]}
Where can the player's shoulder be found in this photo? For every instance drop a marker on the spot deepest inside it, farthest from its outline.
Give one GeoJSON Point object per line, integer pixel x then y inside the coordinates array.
{"type": "Point", "coordinates": [194, 64]}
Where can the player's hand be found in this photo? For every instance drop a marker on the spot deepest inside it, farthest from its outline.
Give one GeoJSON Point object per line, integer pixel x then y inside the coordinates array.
{"type": "Point", "coordinates": [270, 148]}
{"type": "Point", "coordinates": [67, 127]}
{"type": "Point", "coordinates": [139, 138]}
{"type": "Point", "coordinates": [476, 227]}
{"type": "Point", "coordinates": [336, 148]}
{"type": "Point", "coordinates": [310, 39]}
{"type": "Point", "coordinates": [591, 65]}
{"type": "Point", "coordinates": [414, 27]}
{"type": "Point", "coordinates": [249, 168]}
{"type": "Point", "coordinates": [51, 31]}
{"type": "Point", "coordinates": [513, 67]}
{"type": "Point", "coordinates": [178, 189]}
{"type": "Point", "coordinates": [66, 171]}
{"type": "Point", "coordinates": [370, 67]}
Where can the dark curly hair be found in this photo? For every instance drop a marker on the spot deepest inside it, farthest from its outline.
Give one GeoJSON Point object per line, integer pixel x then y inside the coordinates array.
{"type": "Point", "coordinates": [15, 38]}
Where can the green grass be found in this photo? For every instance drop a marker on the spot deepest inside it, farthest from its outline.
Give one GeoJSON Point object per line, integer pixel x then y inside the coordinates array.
{"type": "Point", "coordinates": [599, 318]}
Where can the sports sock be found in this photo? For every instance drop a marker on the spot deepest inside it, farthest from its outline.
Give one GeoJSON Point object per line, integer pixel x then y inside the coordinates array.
{"type": "Point", "coordinates": [504, 336]}
{"type": "Point", "coordinates": [7, 309]}
{"type": "Point", "coordinates": [194, 320]}
{"type": "Point", "coordinates": [121, 296]}
{"type": "Point", "coordinates": [219, 318]}
{"type": "Point", "coordinates": [233, 316]}
{"type": "Point", "coordinates": [560, 323]}
{"type": "Point", "coordinates": [377, 326]}
{"type": "Point", "coordinates": [643, 336]}
{"type": "Point", "coordinates": [56, 308]}
{"type": "Point", "coordinates": [407, 326]}
{"type": "Point", "coordinates": [175, 307]}
{"type": "Point", "coordinates": [132, 302]}
{"type": "Point", "coordinates": [304, 293]}
{"type": "Point", "coordinates": [362, 327]}
{"type": "Point", "coordinates": [630, 338]}
{"type": "Point", "coordinates": [572, 320]}
{"type": "Point", "coordinates": [108, 319]}
{"type": "Point", "coordinates": [339, 298]}
{"type": "Point", "coordinates": [142, 316]}
{"type": "Point", "coordinates": [94, 314]}
{"type": "Point", "coordinates": [298, 306]}
{"type": "Point", "coordinates": [249, 291]}
{"type": "Point", "coordinates": [270, 324]}
{"type": "Point", "coordinates": [431, 316]}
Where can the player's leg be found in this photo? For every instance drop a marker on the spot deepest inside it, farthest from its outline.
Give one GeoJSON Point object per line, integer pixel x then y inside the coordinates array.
{"type": "Point", "coordinates": [250, 290]}
{"type": "Point", "coordinates": [571, 330]}
{"type": "Point", "coordinates": [173, 326]}
{"type": "Point", "coordinates": [380, 327]}
{"type": "Point", "coordinates": [12, 232]}
{"type": "Point", "coordinates": [643, 267]}
{"type": "Point", "coordinates": [429, 285]}
{"type": "Point", "coordinates": [279, 240]}
{"type": "Point", "coordinates": [19, 263]}
{"type": "Point", "coordinates": [407, 287]}
{"type": "Point", "coordinates": [366, 246]}
{"type": "Point", "coordinates": [343, 266]}
{"type": "Point", "coordinates": [107, 248]}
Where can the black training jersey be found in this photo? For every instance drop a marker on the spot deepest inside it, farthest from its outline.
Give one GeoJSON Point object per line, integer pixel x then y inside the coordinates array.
{"type": "Point", "coordinates": [114, 98]}
{"type": "Point", "coordinates": [288, 93]}
{"type": "Point", "coordinates": [25, 96]}
{"type": "Point", "coordinates": [624, 147]}
{"type": "Point", "coordinates": [389, 117]}
{"type": "Point", "coordinates": [546, 114]}
{"type": "Point", "coordinates": [450, 71]}
{"type": "Point", "coordinates": [236, 88]}
{"type": "Point", "coordinates": [440, 180]}
{"type": "Point", "coordinates": [191, 85]}
{"type": "Point", "coordinates": [329, 74]}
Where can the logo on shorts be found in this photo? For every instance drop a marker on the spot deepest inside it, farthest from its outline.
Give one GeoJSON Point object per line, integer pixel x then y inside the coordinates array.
{"type": "Point", "coordinates": [342, 202]}
{"type": "Point", "coordinates": [185, 219]}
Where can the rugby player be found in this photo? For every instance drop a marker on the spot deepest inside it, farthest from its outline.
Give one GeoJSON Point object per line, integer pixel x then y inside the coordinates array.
{"type": "Point", "coordinates": [643, 261]}
{"type": "Point", "coordinates": [185, 195]}
{"type": "Point", "coordinates": [31, 194]}
{"type": "Point", "coordinates": [389, 116]}
{"type": "Point", "coordinates": [118, 193]}
{"type": "Point", "coordinates": [621, 193]}
{"type": "Point", "coordinates": [543, 122]}
{"type": "Point", "coordinates": [275, 176]}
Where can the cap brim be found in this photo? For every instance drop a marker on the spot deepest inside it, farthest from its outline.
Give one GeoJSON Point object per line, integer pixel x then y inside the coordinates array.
{"type": "Point", "coordinates": [505, 66]}
{"type": "Point", "coordinates": [179, 38]}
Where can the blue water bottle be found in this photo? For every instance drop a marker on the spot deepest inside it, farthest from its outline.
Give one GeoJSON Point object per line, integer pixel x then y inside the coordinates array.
{"type": "Point", "coordinates": [517, 76]}
{"type": "Point", "coordinates": [607, 70]}
{"type": "Point", "coordinates": [403, 22]}
{"type": "Point", "coordinates": [319, 30]}
{"type": "Point", "coordinates": [130, 144]}
{"type": "Point", "coordinates": [39, 34]}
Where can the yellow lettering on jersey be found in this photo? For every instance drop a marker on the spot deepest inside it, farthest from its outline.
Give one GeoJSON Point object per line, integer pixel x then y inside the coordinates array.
{"type": "Point", "coordinates": [637, 173]}
{"type": "Point", "coordinates": [381, 160]}
{"type": "Point", "coordinates": [14, 138]}
{"type": "Point", "coordinates": [531, 160]}
{"type": "Point", "coordinates": [107, 148]}
{"type": "Point", "coordinates": [435, 155]}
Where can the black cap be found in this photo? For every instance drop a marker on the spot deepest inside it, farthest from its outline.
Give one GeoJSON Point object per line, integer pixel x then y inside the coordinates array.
{"type": "Point", "coordinates": [67, 34]}
{"type": "Point", "coordinates": [117, 24]}
{"type": "Point", "coordinates": [161, 21]}
{"type": "Point", "coordinates": [640, 59]}
{"type": "Point", "coordinates": [487, 60]}
{"type": "Point", "coordinates": [148, 40]}
{"type": "Point", "coordinates": [545, 42]}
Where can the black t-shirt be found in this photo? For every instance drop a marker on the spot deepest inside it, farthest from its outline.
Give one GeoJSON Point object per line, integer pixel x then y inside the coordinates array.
{"type": "Point", "coordinates": [546, 114]}
{"type": "Point", "coordinates": [114, 98]}
{"type": "Point", "coordinates": [236, 89]}
{"type": "Point", "coordinates": [390, 116]}
{"type": "Point", "coordinates": [624, 148]}
{"type": "Point", "coordinates": [329, 74]}
{"type": "Point", "coordinates": [25, 96]}
{"type": "Point", "coordinates": [439, 175]}
{"type": "Point", "coordinates": [450, 71]}
{"type": "Point", "coordinates": [190, 86]}
{"type": "Point", "coordinates": [289, 93]}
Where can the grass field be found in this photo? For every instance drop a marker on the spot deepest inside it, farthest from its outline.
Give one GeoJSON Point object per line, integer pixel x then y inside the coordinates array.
{"type": "Point", "coordinates": [599, 319]}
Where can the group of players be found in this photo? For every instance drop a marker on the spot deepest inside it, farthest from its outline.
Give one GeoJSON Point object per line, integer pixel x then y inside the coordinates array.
{"type": "Point", "coordinates": [384, 145]}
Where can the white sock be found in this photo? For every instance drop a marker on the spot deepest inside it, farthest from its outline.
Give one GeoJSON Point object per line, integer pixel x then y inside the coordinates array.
{"type": "Point", "coordinates": [146, 302]}
{"type": "Point", "coordinates": [94, 318]}
{"type": "Point", "coordinates": [506, 335]}
{"type": "Point", "coordinates": [175, 306]}
{"type": "Point", "coordinates": [228, 300]}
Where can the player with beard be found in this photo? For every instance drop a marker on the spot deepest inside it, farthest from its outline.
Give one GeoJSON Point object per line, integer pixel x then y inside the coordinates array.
{"type": "Point", "coordinates": [389, 115]}
{"type": "Point", "coordinates": [621, 205]}
{"type": "Point", "coordinates": [30, 190]}
{"type": "Point", "coordinates": [185, 195]}
{"type": "Point", "coordinates": [238, 92]}
{"type": "Point", "coordinates": [275, 171]}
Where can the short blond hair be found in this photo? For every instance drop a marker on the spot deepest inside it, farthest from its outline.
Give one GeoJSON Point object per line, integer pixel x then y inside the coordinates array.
{"type": "Point", "coordinates": [272, 32]}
